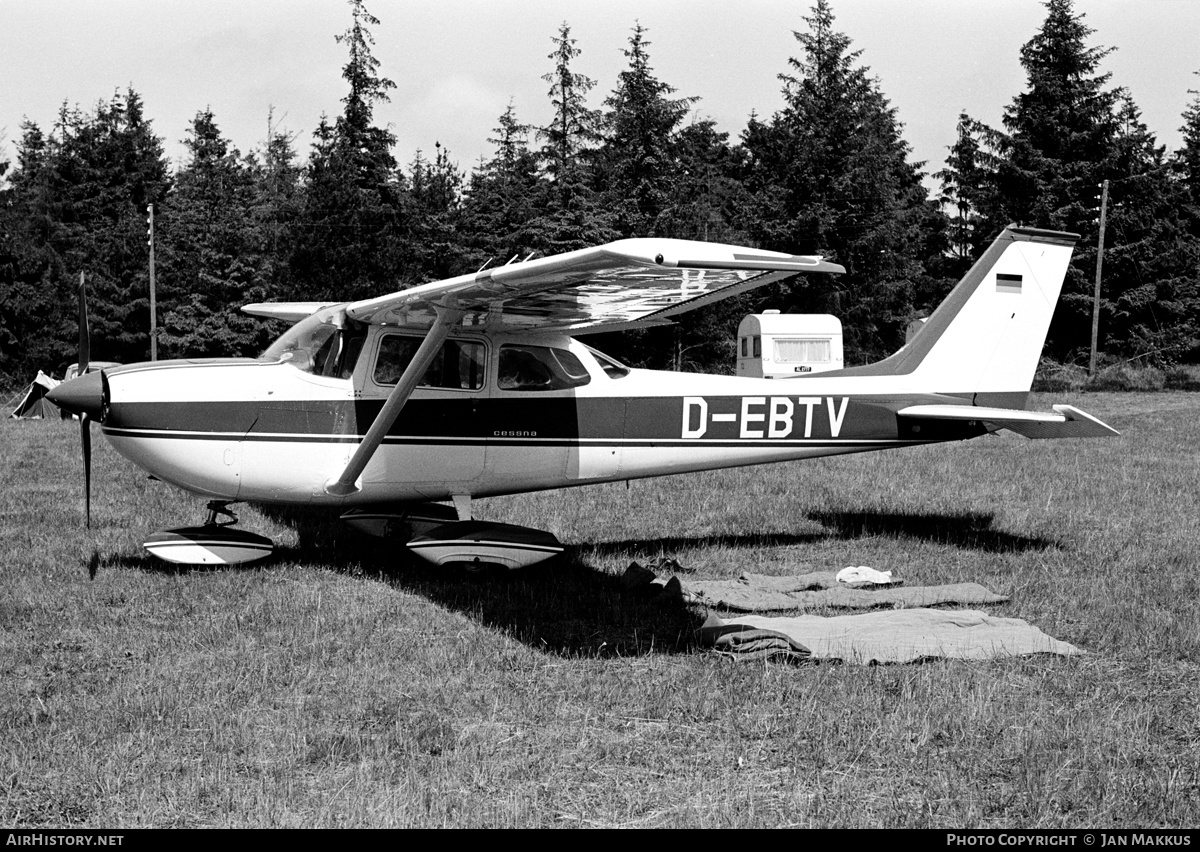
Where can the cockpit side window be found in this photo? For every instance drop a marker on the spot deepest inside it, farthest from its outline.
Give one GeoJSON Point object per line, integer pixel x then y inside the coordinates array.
{"type": "Point", "coordinates": [458, 365]}
{"type": "Point", "coordinates": [539, 368]}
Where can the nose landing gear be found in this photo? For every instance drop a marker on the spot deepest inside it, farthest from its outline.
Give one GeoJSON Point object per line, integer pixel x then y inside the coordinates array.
{"type": "Point", "coordinates": [215, 542]}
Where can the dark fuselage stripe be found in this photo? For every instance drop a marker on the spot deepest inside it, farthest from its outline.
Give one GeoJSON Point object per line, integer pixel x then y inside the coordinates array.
{"type": "Point", "coordinates": [614, 443]}
{"type": "Point", "coordinates": [554, 421]}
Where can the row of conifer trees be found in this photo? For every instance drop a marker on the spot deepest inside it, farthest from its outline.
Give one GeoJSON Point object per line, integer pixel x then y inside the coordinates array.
{"type": "Point", "coordinates": [828, 173]}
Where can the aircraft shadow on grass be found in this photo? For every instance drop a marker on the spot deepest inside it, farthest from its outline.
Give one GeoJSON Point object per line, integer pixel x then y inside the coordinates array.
{"type": "Point", "coordinates": [143, 561]}
{"type": "Point", "coordinates": [966, 531]}
{"type": "Point", "coordinates": [564, 606]}
{"type": "Point", "coordinates": [568, 607]}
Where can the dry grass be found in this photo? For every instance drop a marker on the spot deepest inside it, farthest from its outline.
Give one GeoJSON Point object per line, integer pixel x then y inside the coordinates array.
{"type": "Point", "coordinates": [342, 685]}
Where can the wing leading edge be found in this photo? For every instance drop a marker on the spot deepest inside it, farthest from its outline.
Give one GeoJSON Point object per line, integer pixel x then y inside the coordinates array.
{"type": "Point", "coordinates": [626, 284]}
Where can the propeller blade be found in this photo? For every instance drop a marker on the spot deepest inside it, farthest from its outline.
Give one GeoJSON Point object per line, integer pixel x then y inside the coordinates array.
{"type": "Point", "coordinates": [85, 343]}
{"type": "Point", "coordinates": [85, 437]}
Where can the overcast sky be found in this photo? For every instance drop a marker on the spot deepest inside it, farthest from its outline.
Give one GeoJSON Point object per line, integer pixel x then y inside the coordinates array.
{"type": "Point", "coordinates": [458, 63]}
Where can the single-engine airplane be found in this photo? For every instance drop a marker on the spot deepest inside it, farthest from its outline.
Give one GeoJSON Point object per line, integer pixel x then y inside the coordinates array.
{"type": "Point", "coordinates": [474, 386]}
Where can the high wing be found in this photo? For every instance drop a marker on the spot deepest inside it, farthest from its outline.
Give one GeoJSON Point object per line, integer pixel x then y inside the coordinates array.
{"type": "Point", "coordinates": [631, 283]}
{"type": "Point", "coordinates": [626, 284]}
{"type": "Point", "coordinates": [1067, 421]}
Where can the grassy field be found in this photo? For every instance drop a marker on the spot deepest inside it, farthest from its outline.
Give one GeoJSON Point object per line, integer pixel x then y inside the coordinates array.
{"type": "Point", "coordinates": [342, 685]}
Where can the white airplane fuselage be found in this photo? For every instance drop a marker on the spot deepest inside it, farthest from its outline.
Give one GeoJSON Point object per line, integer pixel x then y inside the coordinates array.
{"type": "Point", "coordinates": [263, 431]}
{"type": "Point", "coordinates": [356, 406]}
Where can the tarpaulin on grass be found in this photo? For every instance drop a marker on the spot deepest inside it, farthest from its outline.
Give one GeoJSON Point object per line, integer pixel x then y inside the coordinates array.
{"type": "Point", "coordinates": [905, 632]}
{"type": "Point", "coordinates": [892, 636]}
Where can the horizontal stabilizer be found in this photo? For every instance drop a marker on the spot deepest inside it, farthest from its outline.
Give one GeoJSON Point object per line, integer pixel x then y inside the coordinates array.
{"type": "Point", "coordinates": [1066, 421]}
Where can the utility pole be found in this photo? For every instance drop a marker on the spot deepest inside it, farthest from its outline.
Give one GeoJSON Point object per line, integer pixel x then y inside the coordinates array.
{"type": "Point", "coordinates": [1096, 293]}
{"type": "Point", "coordinates": [153, 306]}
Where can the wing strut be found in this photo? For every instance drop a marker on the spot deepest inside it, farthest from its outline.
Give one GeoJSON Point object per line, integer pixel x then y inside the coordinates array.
{"type": "Point", "coordinates": [347, 483]}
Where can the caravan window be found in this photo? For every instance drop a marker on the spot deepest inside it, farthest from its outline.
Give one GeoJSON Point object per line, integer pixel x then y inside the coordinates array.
{"type": "Point", "coordinates": [802, 352]}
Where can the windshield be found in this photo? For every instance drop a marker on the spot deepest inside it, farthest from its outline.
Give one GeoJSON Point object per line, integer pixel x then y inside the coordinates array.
{"type": "Point", "coordinates": [613, 368]}
{"type": "Point", "coordinates": [319, 346]}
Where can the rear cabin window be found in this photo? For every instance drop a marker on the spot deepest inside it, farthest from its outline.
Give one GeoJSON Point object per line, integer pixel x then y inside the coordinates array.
{"type": "Point", "coordinates": [459, 365]}
{"type": "Point", "coordinates": [539, 368]}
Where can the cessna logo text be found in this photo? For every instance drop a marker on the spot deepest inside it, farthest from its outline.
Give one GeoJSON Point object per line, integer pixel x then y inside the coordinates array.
{"type": "Point", "coordinates": [766, 416]}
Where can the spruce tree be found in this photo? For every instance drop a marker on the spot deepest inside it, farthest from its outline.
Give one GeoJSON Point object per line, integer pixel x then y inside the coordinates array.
{"type": "Point", "coordinates": [1046, 168]}
{"type": "Point", "coordinates": [1148, 308]}
{"type": "Point", "coordinates": [210, 259]}
{"type": "Point", "coordinates": [1060, 131]}
{"type": "Point", "coordinates": [275, 206]}
{"type": "Point", "coordinates": [572, 215]}
{"type": "Point", "coordinates": [1063, 137]}
{"type": "Point", "coordinates": [349, 243]}
{"type": "Point", "coordinates": [29, 317]}
{"type": "Point", "coordinates": [1186, 161]}
{"type": "Point", "coordinates": [435, 193]}
{"type": "Point", "coordinates": [706, 194]}
{"type": "Point", "coordinates": [80, 196]}
{"type": "Point", "coordinates": [965, 186]}
{"type": "Point", "coordinates": [638, 166]}
{"type": "Point", "coordinates": [1182, 288]}
{"type": "Point", "coordinates": [574, 126]}
{"type": "Point", "coordinates": [115, 168]}
{"type": "Point", "coordinates": [502, 197]}
{"type": "Point", "coordinates": [831, 175]}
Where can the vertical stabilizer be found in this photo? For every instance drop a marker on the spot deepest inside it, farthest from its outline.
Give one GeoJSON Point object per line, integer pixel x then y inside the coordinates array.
{"type": "Point", "coordinates": [984, 341]}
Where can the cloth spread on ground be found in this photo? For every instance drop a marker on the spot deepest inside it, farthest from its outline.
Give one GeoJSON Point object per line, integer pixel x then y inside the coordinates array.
{"type": "Point", "coordinates": [896, 635]}
{"type": "Point", "coordinates": [893, 636]}
{"type": "Point", "coordinates": [760, 593]}
{"type": "Point", "coordinates": [741, 642]}
{"type": "Point", "coordinates": [852, 574]}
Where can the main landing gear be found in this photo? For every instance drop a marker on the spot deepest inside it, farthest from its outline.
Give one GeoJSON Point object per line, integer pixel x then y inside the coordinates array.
{"type": "Point", "coordinates": [447, 535]}
{"type": "Point", "coordinates": [215, 542]}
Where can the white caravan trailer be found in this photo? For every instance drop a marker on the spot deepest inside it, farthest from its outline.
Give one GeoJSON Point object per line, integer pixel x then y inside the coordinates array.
{"type": "Point", "coordinates": [772, 345]}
